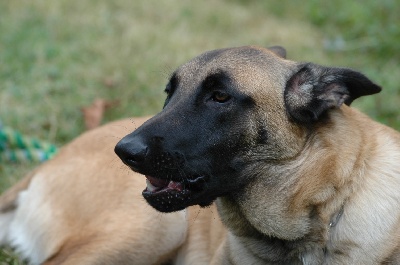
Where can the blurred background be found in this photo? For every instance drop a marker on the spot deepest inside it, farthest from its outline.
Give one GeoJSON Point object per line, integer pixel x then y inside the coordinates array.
{"type": "Point", "coordinates": [59, 56]}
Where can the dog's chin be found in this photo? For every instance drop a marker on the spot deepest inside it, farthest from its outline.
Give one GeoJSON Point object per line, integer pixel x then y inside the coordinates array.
{"type": "Point", "coordinates": [170, 196]}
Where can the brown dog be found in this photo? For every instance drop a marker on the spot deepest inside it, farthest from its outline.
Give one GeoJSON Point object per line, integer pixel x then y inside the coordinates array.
{"type": "Point", "coordinates": [84, 207]}
{"type": "Point", "coordinates": [298, 176]}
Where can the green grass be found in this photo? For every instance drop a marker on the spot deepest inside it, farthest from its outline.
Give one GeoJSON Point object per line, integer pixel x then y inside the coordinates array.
{"type": "Point", "coordinates": [360, 34]}
{"type": "Point", "coordinates": [57, 56]}
{"type": "Point", "coordinates": [8, 257]}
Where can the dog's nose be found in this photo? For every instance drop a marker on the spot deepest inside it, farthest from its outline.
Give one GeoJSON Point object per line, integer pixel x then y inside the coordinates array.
{"type": "Point", "coordinates": [132, 152]}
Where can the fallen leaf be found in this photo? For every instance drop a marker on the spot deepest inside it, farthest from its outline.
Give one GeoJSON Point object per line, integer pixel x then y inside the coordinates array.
{"type": "Point", "coordinates": [93, 114]}
{"type": "Point", "coordinates": [110, 82]}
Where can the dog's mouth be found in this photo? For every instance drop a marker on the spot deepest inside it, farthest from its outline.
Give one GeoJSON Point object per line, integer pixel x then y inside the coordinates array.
{"type": "Point", "coordinates": [156, 185]}
{"type": "Point", "coordinates": [171, 195]}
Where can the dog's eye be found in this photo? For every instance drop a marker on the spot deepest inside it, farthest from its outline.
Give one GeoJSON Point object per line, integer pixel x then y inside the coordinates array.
{"type": "Point", "coordinates": [220, 97]}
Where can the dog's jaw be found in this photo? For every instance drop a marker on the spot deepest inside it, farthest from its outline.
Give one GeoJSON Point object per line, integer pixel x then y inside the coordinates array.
{"type": "Point", "coordinates": [165, 195]}
{"type": "Point", "coordinates": [155, 185]}
{"type": "Point", "coordinates": [170, 195]}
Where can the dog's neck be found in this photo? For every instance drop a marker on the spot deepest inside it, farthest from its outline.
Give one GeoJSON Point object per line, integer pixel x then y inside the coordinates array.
{"type": "Point", "coordinates": [289, 217]}
{"type": "Point", "coordinates": [336, 217]}
{"type": "Point", "coordinates": [308, 249]}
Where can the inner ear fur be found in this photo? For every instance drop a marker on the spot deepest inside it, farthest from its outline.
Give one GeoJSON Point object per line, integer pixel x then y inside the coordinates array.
{"type": "Point", "coordinates": [315, 89]}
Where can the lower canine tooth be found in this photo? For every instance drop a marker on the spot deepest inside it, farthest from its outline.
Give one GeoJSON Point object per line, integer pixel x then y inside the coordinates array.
{"type": "Point", "coordinates": [150, 187]}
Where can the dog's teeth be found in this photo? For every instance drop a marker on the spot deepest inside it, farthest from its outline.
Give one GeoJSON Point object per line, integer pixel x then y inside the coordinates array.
{"type": "Point", "coordinates": [150, 187]}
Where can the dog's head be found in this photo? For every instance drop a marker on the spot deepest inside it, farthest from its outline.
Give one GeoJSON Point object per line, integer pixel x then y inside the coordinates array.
{"type": "Point", "coordinates": [228, 114]}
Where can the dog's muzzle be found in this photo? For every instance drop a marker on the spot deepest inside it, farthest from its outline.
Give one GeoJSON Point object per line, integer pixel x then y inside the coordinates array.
{"type": "Point", "coordinates": [132, 153]}
{"type": "Point", "coordinates": [169, 186]}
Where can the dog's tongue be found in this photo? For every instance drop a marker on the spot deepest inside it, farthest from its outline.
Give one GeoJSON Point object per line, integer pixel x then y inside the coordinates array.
{"type": "Point", "coordinates": [156, 184]}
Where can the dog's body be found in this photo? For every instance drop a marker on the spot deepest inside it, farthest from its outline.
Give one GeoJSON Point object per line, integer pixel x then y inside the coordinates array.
{"type": "Point", "coordinates": [83, 207]}
{"type": "Point", "coordinates": [298, 177]}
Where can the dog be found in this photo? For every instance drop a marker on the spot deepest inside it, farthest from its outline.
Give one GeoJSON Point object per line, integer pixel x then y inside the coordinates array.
{"type": "Point", "coordinates": [295, 174]}
{"type": "Point", "coordinates": [298, 176]}
{"type": "Point", "coordinates": [84, 207]}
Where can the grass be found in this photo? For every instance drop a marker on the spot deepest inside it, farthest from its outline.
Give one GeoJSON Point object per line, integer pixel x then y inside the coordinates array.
{"type": "Point", "coordinates": [9, 257]}
{"type": "Point", "coordinates": [57, 56]}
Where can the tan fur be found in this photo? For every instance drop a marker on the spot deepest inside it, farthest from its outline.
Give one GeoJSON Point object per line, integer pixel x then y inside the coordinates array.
{"type": "Point", "coordinates": [205, 237]}
{"type": "Point", "coordinates": [84, 207]}
{"type": "Point", "coordinates": [328, 194]}
{"type": "Point", "coordinates": [8, 199]}
{"type": "Point", "coordinates": [364, 178]}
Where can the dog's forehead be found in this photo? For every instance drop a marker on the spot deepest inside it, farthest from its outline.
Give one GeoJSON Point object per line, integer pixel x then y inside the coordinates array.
{"type": "Point", "coordinates": [248, 67]}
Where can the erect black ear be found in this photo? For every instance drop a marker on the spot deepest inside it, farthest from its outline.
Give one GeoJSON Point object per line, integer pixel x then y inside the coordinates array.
{"type": "Point", "coordinates": [278, 50]}
{"type": "Point", "coordinates": [315, 89]}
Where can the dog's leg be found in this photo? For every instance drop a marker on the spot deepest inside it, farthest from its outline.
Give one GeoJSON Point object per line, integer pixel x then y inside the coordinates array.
{"type": "Point", "coordinates": [81, 230]}
{"type": "Point", "coordinates": [205, 237]}
{"type": "Point", "coordinates": [30, 229]}
{"type": "Point", "coordinates": [8, 206]}
{"type": "Point", "coordinates": [5, 221]}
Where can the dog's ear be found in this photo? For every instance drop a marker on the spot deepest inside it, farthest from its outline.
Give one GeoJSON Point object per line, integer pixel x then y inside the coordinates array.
{"type": "Point", "coordinates": [278, 50]}
{"type": "Point", "coordinates": [314, 89]}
